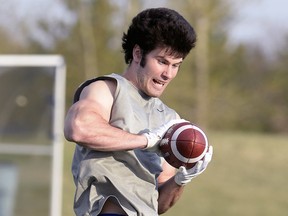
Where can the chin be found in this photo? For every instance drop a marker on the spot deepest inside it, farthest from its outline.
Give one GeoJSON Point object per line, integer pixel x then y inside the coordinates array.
{"type": "Point", "coordinates": [156, 94]}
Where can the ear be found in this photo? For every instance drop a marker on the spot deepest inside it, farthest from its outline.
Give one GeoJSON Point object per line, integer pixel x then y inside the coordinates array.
{"type": "Point", "coordinates": [137, 53]}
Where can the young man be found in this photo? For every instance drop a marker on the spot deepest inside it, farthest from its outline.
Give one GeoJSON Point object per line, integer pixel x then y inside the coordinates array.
{"type": "Point", "coordinates": [118, 120]}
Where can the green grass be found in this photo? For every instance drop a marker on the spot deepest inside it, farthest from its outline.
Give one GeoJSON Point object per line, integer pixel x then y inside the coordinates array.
{"type": "Point", "coordinates": [33, 182]}
{"type": "Point", "coordinates": [247, 176]}
{"type": "Point", "coordinates": [68, 184]}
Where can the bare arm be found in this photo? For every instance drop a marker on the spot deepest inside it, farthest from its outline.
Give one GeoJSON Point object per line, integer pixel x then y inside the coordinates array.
{"type": "Point", "coordinates": [169, 191]}
{"type": "Point", "coordinates": [87, 121]}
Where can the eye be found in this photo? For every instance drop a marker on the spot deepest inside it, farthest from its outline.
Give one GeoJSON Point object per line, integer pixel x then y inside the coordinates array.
{"type": "Point", "coordinates": [176, 65]}
{"type": "Point", "coordinates": [161, 61]}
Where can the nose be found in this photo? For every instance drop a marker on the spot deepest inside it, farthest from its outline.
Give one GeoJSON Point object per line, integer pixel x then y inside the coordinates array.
{"type": "Point", "coordinates": [168, 73]}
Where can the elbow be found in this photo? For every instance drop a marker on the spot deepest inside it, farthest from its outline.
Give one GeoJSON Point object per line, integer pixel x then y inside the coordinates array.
{"type": "Point", "coordinates": [67, 134]}
{"type": "Point", "coordinates": [162, 209]}
{"type": "Point", "coordinates": [164, 206]}
{"type": "Point", "coordinates": [72, 132]}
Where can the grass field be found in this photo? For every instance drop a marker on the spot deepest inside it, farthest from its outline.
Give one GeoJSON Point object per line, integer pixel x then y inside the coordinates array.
{"type": "Point", "coordinates": [247, 176]}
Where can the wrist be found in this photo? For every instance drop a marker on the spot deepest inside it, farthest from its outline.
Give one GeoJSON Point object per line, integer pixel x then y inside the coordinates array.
{"type": "Point", "coordinates": [146, 140]}
{"type": "Point", "coordinates": [178, 181]}
{"type": "Point", "coordinates": [152, 139]}
{"type": "Point", "coordinates": [182, 177]}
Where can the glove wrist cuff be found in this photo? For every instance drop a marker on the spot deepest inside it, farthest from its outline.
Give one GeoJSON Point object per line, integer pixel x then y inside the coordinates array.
{"type": "Point", "coordinates": [180, 182]}
{"type": "Point", "coordinates": [152, 139]}
{"type": "Point", "coordinates": [147, 137]}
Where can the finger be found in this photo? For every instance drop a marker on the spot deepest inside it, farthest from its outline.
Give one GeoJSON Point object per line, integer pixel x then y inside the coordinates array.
{"type": "Point", "coordinates": [210, 151]}
{"type": "Point", "coordinates": [198, 166]}
{"type": "Point", "coordinates": [183, 170]}
{"type": "Point", "coordinates": [193, 169]}
{"type": "Point", "coordinates": [207, 159]}
{"type": "Point", "coordinates": [206, 162]}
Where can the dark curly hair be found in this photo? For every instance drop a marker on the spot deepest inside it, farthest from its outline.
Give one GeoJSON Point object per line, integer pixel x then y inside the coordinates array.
{"type": "Point", "coordinates": [159, 27]}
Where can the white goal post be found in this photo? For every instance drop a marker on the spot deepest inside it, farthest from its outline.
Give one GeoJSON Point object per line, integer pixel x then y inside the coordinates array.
{"type": "Point", "coordinates": [54, 149]}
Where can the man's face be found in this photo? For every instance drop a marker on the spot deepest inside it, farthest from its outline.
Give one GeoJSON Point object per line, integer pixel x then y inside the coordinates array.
{"type": "Point", "coordinates": [159, 70]}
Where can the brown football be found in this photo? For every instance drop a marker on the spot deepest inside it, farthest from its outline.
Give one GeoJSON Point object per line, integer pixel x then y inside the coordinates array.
{"type": "Point", "coordinates": [184, 144]}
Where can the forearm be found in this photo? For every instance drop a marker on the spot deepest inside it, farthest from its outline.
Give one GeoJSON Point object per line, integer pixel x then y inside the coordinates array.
{"type": "Point", "coordinates": [92, 131]}
{"type": "Point", "coordinates": [169, 194]}
{"type": "Point", "coordinates": [108, 139]}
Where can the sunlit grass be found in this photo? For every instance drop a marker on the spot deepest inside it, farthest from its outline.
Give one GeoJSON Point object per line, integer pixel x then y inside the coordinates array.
{"type": "Point", "coordinates": [247, 176]}
{"type": "Point", "coordinates": [68, 184]}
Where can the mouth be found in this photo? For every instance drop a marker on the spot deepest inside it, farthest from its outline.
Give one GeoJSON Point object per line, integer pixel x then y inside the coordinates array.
{"type": "Point", "coordinates": [158, 82]}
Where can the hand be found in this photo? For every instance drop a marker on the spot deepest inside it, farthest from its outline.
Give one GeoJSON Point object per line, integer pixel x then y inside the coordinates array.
{"type": "Point", "coordinates": [154, 137]}
{"type": "Point", "coordinates": [184, 176]}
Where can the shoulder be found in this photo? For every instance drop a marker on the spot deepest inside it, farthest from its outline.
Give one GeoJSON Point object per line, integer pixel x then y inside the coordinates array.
{"type": "Point", "coordinates": [108, 83]}
{"type": "Point", "coordinates": [96, 97]}
{"type": "Point", "coordinates": [99, 89]}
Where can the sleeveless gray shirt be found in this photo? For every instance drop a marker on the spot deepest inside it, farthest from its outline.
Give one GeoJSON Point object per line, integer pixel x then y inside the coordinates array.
{"type": "Point", "coordinates": [128, 178]}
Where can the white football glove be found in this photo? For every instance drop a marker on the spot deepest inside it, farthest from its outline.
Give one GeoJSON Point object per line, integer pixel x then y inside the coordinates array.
{"type": "Point", "coordinates": [184, 176]}
{"type": "Point", "coordinates": [154, 137]}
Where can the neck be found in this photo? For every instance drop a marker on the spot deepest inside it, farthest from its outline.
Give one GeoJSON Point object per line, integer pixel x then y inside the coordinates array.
{"type": "Point", "coordinates": [130, 75]}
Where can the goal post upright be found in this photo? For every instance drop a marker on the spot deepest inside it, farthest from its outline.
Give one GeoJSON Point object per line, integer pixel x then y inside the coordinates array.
{"type": "Point", "coordinates": [56, 150]}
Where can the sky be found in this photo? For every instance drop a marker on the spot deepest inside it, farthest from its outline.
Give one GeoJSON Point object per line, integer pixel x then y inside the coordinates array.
{"type": "Point", "coordinates": [54, 13]}
{"type": "Point", "coordinates": [261, 22]}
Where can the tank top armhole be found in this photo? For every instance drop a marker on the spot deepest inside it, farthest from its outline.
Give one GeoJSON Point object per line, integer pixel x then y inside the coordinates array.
{"type": "Point", "coordinates": [88, 82]}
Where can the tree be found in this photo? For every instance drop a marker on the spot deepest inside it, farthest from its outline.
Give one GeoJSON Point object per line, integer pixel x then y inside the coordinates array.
{"type": "Point", "coordinates": [206, 17]}
{"type": "Point", "coordinates": [90, 42]}
{"type": "Point", "coordinates": [87, 38]}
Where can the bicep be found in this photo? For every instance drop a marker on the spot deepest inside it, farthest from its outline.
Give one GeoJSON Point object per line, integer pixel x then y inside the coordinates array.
{"type": "Point", "coordinates": [101, 94]}
{"type": "Point", "coordinates": [94, 106]}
